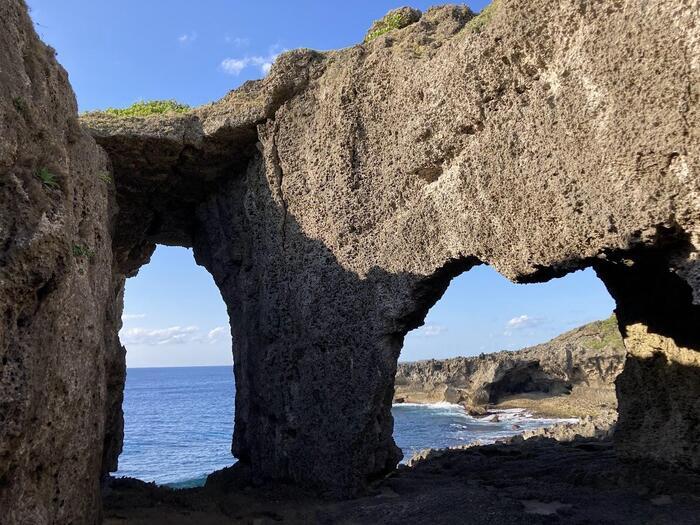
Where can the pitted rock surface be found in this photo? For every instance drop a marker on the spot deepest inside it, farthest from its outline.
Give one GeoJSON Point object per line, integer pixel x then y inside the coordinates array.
{"type": "Point", "coordinates": [332, 202]}
{"type": "Point", "coordinates": [59, 303]}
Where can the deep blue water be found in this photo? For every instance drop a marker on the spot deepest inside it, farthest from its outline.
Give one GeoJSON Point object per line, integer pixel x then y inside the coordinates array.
{"type": "Point", "coordinates": [178, 424]}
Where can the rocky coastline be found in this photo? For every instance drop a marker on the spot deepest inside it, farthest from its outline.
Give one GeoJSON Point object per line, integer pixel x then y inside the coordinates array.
{"type": "Point", "coordinates": [570, 376]}
{"type": "Point", "coordinates": [332, 202]}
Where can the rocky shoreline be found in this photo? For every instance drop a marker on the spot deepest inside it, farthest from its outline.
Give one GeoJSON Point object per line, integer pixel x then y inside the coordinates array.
{"type": "Point", "coordinates": [524, 481]}
{"type": "Point", "coordinates": [570, 376]}
{"type": "Point", "coordinates": [601, 426]}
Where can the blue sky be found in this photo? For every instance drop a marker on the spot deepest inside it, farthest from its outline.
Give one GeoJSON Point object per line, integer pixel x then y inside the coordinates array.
{"type": "Point", "coordinates": [117, 53]}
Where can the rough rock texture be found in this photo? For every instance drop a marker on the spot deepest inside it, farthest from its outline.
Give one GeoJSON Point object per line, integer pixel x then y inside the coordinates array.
{"type": "Point", "coordinates": [333, 202]}
{"type": "Point", "coordinates": [548, 140]}
{"type": "Point", "coordinates": [538, 481]}
{"type": "Point", "coordinates": [586, 359]}
{"type": "Point", "coordinates": [57, 302]}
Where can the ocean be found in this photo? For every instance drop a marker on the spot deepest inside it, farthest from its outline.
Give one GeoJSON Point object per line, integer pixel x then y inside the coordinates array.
{"type": "Point", "coordinates": [178, 424]}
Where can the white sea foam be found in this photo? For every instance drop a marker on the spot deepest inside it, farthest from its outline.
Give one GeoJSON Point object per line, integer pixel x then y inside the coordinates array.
{"type": "Point", "coordinates": [440, 404]}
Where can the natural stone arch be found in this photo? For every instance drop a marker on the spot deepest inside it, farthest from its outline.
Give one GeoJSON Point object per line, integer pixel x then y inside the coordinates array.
{"type": "Point", "coordinates": [332, 202]}
{"type": "Point", "coordinates": [347, 227]}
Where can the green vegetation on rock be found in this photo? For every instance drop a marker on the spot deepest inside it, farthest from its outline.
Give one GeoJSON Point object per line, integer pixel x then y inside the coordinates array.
{"type": "Point", "coordinates": [80, 250]}
{"type": "Point", "coordinates": [145, 109]}
{"type": "Point", "coordinates": [396, 19]}
{"type": "Point", "coordinates": [606, 334]}
{"type": "Point", "coordinates": [47, 178]}
{"type": "Point", "coordinates": [479, 22]}
{"type": "Point", "coordinates": [104, 177]}
{"type": "Point", "coordinates": [20, 105]}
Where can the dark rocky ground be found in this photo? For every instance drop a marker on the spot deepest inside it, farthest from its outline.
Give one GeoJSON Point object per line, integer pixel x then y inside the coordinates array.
{"type": "Point", "coordinates": [537, 481]}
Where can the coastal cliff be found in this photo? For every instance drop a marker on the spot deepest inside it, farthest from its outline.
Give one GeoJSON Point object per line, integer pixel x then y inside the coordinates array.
{"type": "Point", "coordinates": [333, 202]}
{"type": "Point", "coordinates": [571, 375]}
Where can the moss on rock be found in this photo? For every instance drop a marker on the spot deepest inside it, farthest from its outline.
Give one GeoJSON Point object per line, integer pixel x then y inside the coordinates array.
{"type": "Point", "coordinates": [395, 19]}
{"type": "Point", "coordinates": [479, 22]}
{"type": "Point", "coordinates": [147, 108]}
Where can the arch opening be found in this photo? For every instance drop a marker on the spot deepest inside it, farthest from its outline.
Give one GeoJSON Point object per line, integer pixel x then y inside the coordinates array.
{"type": "Point", "coordinates": [494, 358]}
{"type": "Point", "coordinates": [179, 391]}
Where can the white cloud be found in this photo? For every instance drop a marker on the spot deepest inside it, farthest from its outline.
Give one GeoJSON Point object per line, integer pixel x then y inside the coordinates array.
{"type": "Point", "coordinates": [521, 322]}
{"type": "Point", "coordinates": [237, 41]}
{"type": "Point", "coordinates": [432, 330]}
{"type": "Point", "coordinates": [130, 317]}
{"type": "Point", "coordinates": [187, 38]}
{"type": "Point", "coordinates": [160, 336]}
{"type": "Point", "coordinates": [234, 66]}
{"type": "Point", "coordinates": [214, 334]}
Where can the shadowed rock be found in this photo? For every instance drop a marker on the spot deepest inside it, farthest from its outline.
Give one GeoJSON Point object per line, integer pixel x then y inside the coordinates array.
{"type": "Point", "coordinates": [333, 202]}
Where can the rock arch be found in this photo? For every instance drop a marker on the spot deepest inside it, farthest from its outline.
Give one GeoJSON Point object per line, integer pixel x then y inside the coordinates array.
{"type": "Point", "coordinates": [334, 200]}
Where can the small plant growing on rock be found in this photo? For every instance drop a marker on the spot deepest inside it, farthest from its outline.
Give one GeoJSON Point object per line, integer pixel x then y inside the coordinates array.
{"type": "Point", "coordinates": [105, 177]}
{"type": "Point", "coordinates": [145, 109]}
{"type": "Point", "coordinates": [47, 178]}
{"type": "Point", "coordinates": [396, 19]}
{"type": "Point", "coordinates": [479, 22]}
{"type": "Point", "coordinates": [80, 250]}
{"type": "Point", "coordinates": [20, 105]}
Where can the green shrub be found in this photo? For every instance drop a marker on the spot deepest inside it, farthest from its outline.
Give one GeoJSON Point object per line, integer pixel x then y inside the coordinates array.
{"type": "Point", "coordinates": [104, 177]}
{"type": "Point", "coordinates": [479, 22]}
{"type": "Point", "coordinates": [47, 178]}
{"type": "Point", "coordinates": [388, 23]}
{"type": "Point", "coordinates": [608, 334]}
{"type": "Point", "coordinates": [80, 250]}
{"type": "Point", "coordinates": [145, 109]}
{"type": "Point", "coordinates": [396, 19]}
{"type": "Point", "coordinates": [21, 106]}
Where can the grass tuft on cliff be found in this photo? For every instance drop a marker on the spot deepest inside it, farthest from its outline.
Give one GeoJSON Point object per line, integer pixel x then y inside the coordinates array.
{"type": "Point", "coordinates": [81, 250]}
{"type": "Point", "coordinates": [146, 109]}
{"type": "Point", "coordinates": [47, 178]}
{"type": "Point", "coordinates": [396, 19]}
{"type": "Point", "coordinates": [607, 334]}
{"type": "Point", "coordinates": [479, 22]}
{"type": "Point", "coordinates": [105, 177]}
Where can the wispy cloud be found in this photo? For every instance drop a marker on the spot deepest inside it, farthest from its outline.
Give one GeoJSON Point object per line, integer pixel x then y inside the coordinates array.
{"type": "Point", "coordinates": [171, 335]}
{"type": "Point", "coordinates": [187, 38]}
{"type": "Point", "coordinates": [215, 334]}
{"type": "Point", "coordinates": [265, 67]}
{"type": "Point", "coordinates": [234, 66]}
{"type": "Point", "coordinates": [237, 41]}
{"type": "Point", "coordinates": [522, 322]}
{"type": "Point", "coordinates": [431, 330]}
{"type": "Point", "coordinates": [131, 317]}
{"type": "Point", "coordinates": [160, 336]}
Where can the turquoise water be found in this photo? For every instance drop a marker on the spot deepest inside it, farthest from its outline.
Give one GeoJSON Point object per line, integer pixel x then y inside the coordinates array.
{"type": "Point", "coordinates": [178, 424]}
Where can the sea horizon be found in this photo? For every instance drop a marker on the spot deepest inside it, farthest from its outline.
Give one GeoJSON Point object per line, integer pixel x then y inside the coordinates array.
{"type": "Point", "coordinates": [179, 424]}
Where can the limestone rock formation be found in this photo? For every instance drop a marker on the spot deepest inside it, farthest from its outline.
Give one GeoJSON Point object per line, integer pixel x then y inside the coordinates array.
{"type": "Point", "coordinates": [584, 360]}
{"type": "Point", "coordinates": [381, 171]}
{"type": "Point", "coordinates": [59, 304]}
{"type": "Point", "coordinates": [332, 202]}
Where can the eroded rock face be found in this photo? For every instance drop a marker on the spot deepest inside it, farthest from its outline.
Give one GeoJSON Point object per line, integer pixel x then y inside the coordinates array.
{"type": "Point", "coordinates": [334, 200]}
{"type": "Point", "coordinates": [659, 388]}
{"type": "Point", "coordinates": [58, 316]}
{"type": "Point", "coordinates": [586, 359]}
